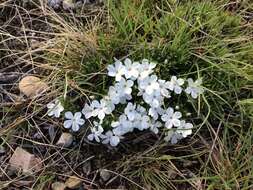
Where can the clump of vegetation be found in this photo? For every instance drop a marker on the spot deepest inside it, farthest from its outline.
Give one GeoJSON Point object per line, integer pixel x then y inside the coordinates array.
{"type": "Point", "coordinates": [148, 100]}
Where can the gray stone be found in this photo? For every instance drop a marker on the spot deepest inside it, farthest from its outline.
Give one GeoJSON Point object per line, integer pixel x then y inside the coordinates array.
{"type": "Point", "coordinates": [65, 140]}
{"type": "Point", "coordinates": [58, 186]}
{"type": "Point", "coordinates": [105, 174]}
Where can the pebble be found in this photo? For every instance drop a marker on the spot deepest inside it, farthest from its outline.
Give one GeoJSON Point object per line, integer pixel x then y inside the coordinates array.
{"type": "Point", "coordinates": [32, 86]}
{"type": "Point", "coordinates": [73, 182]}
{"type": "Point", "coordinates": [105, 174]}
{"type": "Point", "coordinates": [58, 186]}
{"type": "Point", "coordinates": [65, 140]}
{"type": "Point", "coordinates": [21, 159]}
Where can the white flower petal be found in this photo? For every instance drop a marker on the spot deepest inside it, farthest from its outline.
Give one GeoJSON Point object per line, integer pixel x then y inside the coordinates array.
{"type": "Point", "coordinates": [95, 104]}
{"type": "Point", "coordinates": [77, 115]}
{"type": "Point", "coordinates": [170, 111]}
{"type": "Point", "coordinates": [131, 116]}
{"type": "Point", "coordinates": [75, 127]}
{"type": "Point", "coordinates": [154, 130]}
{"type": "Point", "coordinates": [97, 139]}
{"type": "Point", "coordinates": [173, 78]}
{"type": "Point", "coordinates": [176, 122]}
{"type": "Point", "coordinates": [111, 71]}
{"type": "Point", "coordinates": [177, 115]}
{"type": "Point", "coordinates": [106, 141]}
{"type": "Point", "coordinates": [50, 113]}
{"type": "Point", "coordinates": [177, 89]}
{"type": "Point", "coordinates": [174, 139]}
{"type": "Point", "coordinates": [69, 115]}
{"type": "Point", "coordinates": [100, 129]}
{"type": "Point", "coordinates": [165, 117]}
{"type": "Point", "coordinates": [169, 124]}
{"type": "Point", "coordinates": [128, 90]}
{"type": "Point", "coordinates": [149, 90]}
{"type": "Point", "coordinates": [114, 141]}
{"type": "Point", "coordinates": [115, 124]}
{"type": "Point", "coordinates": [80, 121]}
{"type": "Point", "coordinates": [128, 62]}
{"type": "Point", "coordinates": [170, 86]}
{"type": "Point", "coordinates": [130, 83]}
{"type": "Point", "coordinates": [188, 126]}
{"type": "Point", "coordinates": [156, 103]}
{"type": "Point", "coordinates": [190, 81]}
{"type": "Point", "coordinates": [57, 113]}
{"type": "Point", "coordinates": [90, 137]}
{"type": "Point", "coordinates": [67, 124]}
{"type": "Point", "coordinates": [101, 115]}
{"type": "Point", "coordinates": [194, 94]}
{"type": "Point", "coordinates": [188, 90]}
{"type": "Point", "coordinates": [180, 81]}
{"type": "Point", "coordinates": [50, 105]}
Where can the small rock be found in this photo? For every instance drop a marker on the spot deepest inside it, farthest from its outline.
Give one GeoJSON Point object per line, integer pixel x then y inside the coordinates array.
{"type": "Point", "coordinates": [32, 86]}
{"type": "Point", "coordinates": [105, 174]}
{"type": "Point", "coordinates": [21, 159]}
{"type": "Point", "coordinates": [73, 182]}
{"type": "Point", "coordinates": [58, 186]}
{"type": "Point", "coordinates": [68, 4]}
{"type": "Point", "coordinates": [65, 140]}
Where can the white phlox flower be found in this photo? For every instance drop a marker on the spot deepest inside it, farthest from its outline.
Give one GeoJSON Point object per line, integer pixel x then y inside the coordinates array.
{"type": "Point", "coordinates": [164, 86]}
{"type": "Point", "coordinates": [117, 70]}
{"type": "Point", "coordinates": [194, 88]}
{"type": "Point", "coordinates": [118, 128]}
{"type": "Point", "coordinates": [146, 68]}
{"type": "Point", "coordinates": [171, 118]}
{"type": "Point", "coordinates": [115, 94]}
{"type": "Point", "coordinates": [130, 111]}
{"type": "Point", "coordinates": [102, 108]}
{"type": "Point", "coordinates": [144, 97]}
{"type": "Point", "coordinates": [173, 137]}
{"type": "Point", "coordinates": [73, 121]}
{"type": "Point", "coordinates": [96, 132]}
{"type": "Point", "coordinates": [125, 86]}
{"type": "Point", "coordinates": [110, 138]}
{"type": "Point", "coordinates": [154, 112]}
{"type": "Point", "coordinates": [149, 84]}
{"type": "Point", "coordinates": [175, 84]}
{"type": "Point", "coordinates": [154, 100]}
{"type": "Point", "coordinates": [154, 126]}
{"type": "Point", "coordinates": [132, 69]}
{"type": "Point", "coordinates": [185, 129]}
{"type": "Point", "coordinates": [122, 126]}
{"type": "Point", "coordinates": [143, 122]}
{"type": "Point", "coordinates": [88, 110]}
{"type": "Point", "coordinates": [55, 109]}
{"type": "Point", "coordinates": [141, 110]}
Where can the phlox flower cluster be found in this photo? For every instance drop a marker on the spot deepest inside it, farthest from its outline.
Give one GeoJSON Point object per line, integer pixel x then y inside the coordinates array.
{"type": "Point", "coordinates": [144, 96]}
